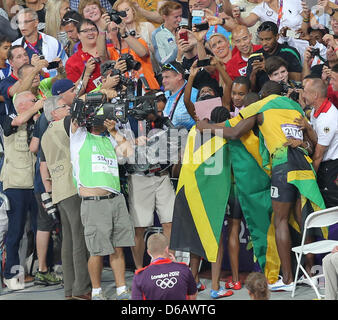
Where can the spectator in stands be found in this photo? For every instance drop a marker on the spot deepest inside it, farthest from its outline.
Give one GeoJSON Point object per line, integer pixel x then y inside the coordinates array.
{"type": "Point", "coordinates": [74, 4]}
{"type": "Point", "coordinates": [257, 286]}
{"type": "Point", "coordinates": [55, 10]}
{"type": "Point", "coordinates": [163, 38]}
{"type": "Point", "coordinates": [56, 173]}
{"type": "Point", "coordinates": [246, 7]}
{"type": "Point", "coordinates": [324, 119]}
{"type": "Point", "coordinates": [268, 10]}
{"type": "Point", "coordinates": [39, 7]}
{"type": "Point", "coordinates": [92, 10]}
{"type": "Point", "coordinates": [268, 35]}
{"type": "Point", "coordinates": [177, 282]}
{"type": "Point", "coordinates": [85, 58]}
{"type": "Point", "coordinates": [18, 180]}
{"type": "Point", "coordinates": [174, 85]}
{"type": "Point", "coordinates": [36, 42]}
{"type": "Point", "coordinates": [150, 11]}
{"type": "Point", "coordinates": [69, 24]}
{"type": "Point", "coordinates": [124, 43]}
{"type": "Point", "coordinates": [241, 38]}
{"type": "Point", "coordinates": [135, 27]}
{"type": "Point", "coordinates": [330, 265]}
{"type": "Point", "coordinates": [17, 57]}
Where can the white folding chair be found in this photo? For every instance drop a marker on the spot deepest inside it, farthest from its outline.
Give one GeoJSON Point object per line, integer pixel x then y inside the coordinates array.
{"type": "Point", "coordinates": [322, 218]}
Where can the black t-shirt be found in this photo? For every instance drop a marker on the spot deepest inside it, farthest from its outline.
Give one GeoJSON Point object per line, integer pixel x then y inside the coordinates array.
{"type": "Point", "coordinates": [289, 54]}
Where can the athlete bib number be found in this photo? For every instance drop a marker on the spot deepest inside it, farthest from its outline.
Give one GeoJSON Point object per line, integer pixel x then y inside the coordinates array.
{"type": "Point", "coordinates": [292, 131]}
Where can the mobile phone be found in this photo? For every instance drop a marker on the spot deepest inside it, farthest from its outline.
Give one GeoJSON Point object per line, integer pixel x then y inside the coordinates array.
{"type": "Point", "coordinates": [197, 13]}
{"type": "Point", "coordinates": [202, 26]}
{"type": "Point", "coordinates": [53, 65]}
{"type": "Point", "coordinates": [184, 35]}
{"type": "Point", "coordinates": [203, 63]}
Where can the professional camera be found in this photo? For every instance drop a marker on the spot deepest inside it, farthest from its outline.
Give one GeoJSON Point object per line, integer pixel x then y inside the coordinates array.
{"type": "Point", "coordinates": [116, 15]}
{"type": "Point", "coordinates": [95, 108]}
{"type": "Point", "coordinates": [131, 63]}
{"type": "Point", "coordinates": [291, 85]}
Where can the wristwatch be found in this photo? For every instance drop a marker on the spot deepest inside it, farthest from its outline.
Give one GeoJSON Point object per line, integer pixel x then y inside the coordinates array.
{"type": "Point", "coordinates": [123, 36]}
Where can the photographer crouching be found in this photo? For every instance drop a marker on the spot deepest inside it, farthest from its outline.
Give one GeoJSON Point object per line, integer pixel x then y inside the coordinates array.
{"type": "Point", "coordinates": [95, 146]}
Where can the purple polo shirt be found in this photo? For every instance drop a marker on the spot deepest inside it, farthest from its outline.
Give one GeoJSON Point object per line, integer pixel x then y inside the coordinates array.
{"type": "Point", "coordinates": [163, 279]}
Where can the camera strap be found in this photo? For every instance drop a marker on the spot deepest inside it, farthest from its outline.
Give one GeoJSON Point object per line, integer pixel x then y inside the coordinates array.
{"type": "Point", "coordinates": [280, 13]}
{"type": "Point", "coordinates": [173, 107]}
{"type": "Point", "coordinates": [37, 50]}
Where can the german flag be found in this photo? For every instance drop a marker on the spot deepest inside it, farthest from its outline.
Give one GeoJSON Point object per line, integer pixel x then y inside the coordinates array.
{"type": "Point", "coordinates": [202, 195]}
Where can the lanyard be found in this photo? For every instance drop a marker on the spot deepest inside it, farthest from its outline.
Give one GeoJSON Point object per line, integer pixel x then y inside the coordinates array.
{"type": "Point", "coordinates": [173, 108]}
{"type": "Point", "coordinates": [280, 13]}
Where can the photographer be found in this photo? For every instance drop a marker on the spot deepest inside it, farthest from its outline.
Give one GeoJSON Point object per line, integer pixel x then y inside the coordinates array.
{"type": "Point", "coordinates": [126, 46]}
{"type": "Point", "coordinates": [277, 70]}
{"type": "Point", "coordinates": [150, 187]}
{"type": "Point", "coordinates": [104, 214]}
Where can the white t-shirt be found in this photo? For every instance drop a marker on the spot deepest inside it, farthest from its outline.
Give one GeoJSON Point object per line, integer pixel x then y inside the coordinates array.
{"type": "Point", "coordinates": [326, 127]}
{"type": "Point", "coordinates": [291, 14]}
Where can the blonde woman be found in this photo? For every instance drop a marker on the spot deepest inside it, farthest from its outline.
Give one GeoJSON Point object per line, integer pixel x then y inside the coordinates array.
{"type": "Point", "coordinates": [55, 10]}
{"type": "Point", "coordinates": [137, 28]}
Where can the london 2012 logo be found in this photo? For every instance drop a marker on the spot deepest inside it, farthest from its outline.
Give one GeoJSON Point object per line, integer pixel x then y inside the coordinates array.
{"type": "Point", "coordinates": [166, 283]}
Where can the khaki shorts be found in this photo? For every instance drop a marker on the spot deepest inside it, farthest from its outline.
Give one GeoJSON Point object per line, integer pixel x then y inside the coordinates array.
{"type": "Point", "coordinates": [107, 225]}
{"type": "Point", "coordinates": [149, 194]}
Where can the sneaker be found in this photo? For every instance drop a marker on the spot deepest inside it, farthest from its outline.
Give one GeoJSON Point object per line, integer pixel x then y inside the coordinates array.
{"type": "Point", "coordinates": [280, 286]}
{"type": "Point", "coordinates": [125, 295]}
{"type": "Point", "coordinates": [46, 279]}
{"type": "Point", "coordinates": [233, 285]}
{"type": "Point", "coordinates": [14, 284]}
{"type": "Point", "coordinates": [99, 296]}
{"type": "Point", "coordinates": [216, 294]}
{"type": "Point", "coordinates": [200, 286]}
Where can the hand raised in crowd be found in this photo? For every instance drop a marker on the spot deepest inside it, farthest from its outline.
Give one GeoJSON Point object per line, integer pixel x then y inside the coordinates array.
{"type": "Point", "coordinates": [185, 45]}
{"type": "Point", "coordinates": [90, 66]}
{"type": "Point", "coordinates": [258, 65]}
{"type": "Point", "coordinates": [109, 92]}
{"type": "Point", "coordinates": [307, 56]}
{"type": "Point", "coordinates": [199, 35]}
{"type": "Point", "coordinates": [121, 65]}
{"type": "Point", "coordinates": [335, 249]}
{"type": "Point", "coordinates": [329, 40]}
{"type": "Point", "coordinates": [326, 74]}
{"type": "Point", "coordinates": [283, 31]}
{"type": "Point", "coordinates": [110, 125]}
{"type": "Point", "coordinates": [38, 63]}
{"type": "Point", "coordinates": [104, 22]}
{"type": "Point", "coordinates": [306, 13]}
{"type": "Point", "coordinates": [39, 104]}
{"type": "Point", "coordinates": [111, 82]}
{"type": "Point", "coordinates": [194, 69]}
{"type": "Point", "coordinates": [202, 124]}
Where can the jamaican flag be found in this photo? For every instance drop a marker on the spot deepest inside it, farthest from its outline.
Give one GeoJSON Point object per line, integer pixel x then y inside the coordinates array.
{"type": "Point", "coordinates": [253, 186]}
{"type": "Point", "coordinates": [276, 111]}
{"type": "Point", "coordinates": [201, 196]}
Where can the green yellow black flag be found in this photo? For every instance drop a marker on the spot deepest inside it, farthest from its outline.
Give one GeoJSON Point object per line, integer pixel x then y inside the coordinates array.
{"type": "Point", "coordinates": [201, 196]}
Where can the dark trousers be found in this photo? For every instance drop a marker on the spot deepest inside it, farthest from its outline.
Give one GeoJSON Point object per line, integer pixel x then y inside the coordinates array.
{"type": "Point", "coordinates": [327, 179]}
{"type": "Point", "coordinates": [21, 202]}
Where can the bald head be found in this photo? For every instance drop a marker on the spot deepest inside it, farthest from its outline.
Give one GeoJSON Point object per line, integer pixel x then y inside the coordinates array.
{"type": "Point", "coordinates": [318, 86]}
{"type": "Point", "coordinates": [23, 99]}
{"type": "Point", "coordinates": [241, 38]}
{"type": "Point", "coordinates": [157, 244]}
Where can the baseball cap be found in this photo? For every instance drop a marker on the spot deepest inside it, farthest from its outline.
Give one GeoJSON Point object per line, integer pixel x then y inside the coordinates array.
{"type": "Point", "coordinates": [61, 86]}
{"type": "Point", "coordinates": [174, 66]}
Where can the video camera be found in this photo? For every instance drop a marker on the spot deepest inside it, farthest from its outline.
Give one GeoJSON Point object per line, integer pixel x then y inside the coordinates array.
{"type": "Point", "coordinates": [95, 108]}
{"type": "Point", "coordinates": [292, 85]}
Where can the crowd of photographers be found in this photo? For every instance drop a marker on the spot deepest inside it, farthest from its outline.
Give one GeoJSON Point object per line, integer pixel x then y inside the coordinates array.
{"type": "Point", "coordinates": [84, 82]}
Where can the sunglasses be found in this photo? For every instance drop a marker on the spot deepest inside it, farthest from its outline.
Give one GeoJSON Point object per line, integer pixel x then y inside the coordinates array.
{"type": "Point", "coordinates": [169, 66]}
{"type": "Point", "coordinates": [69, 20]}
